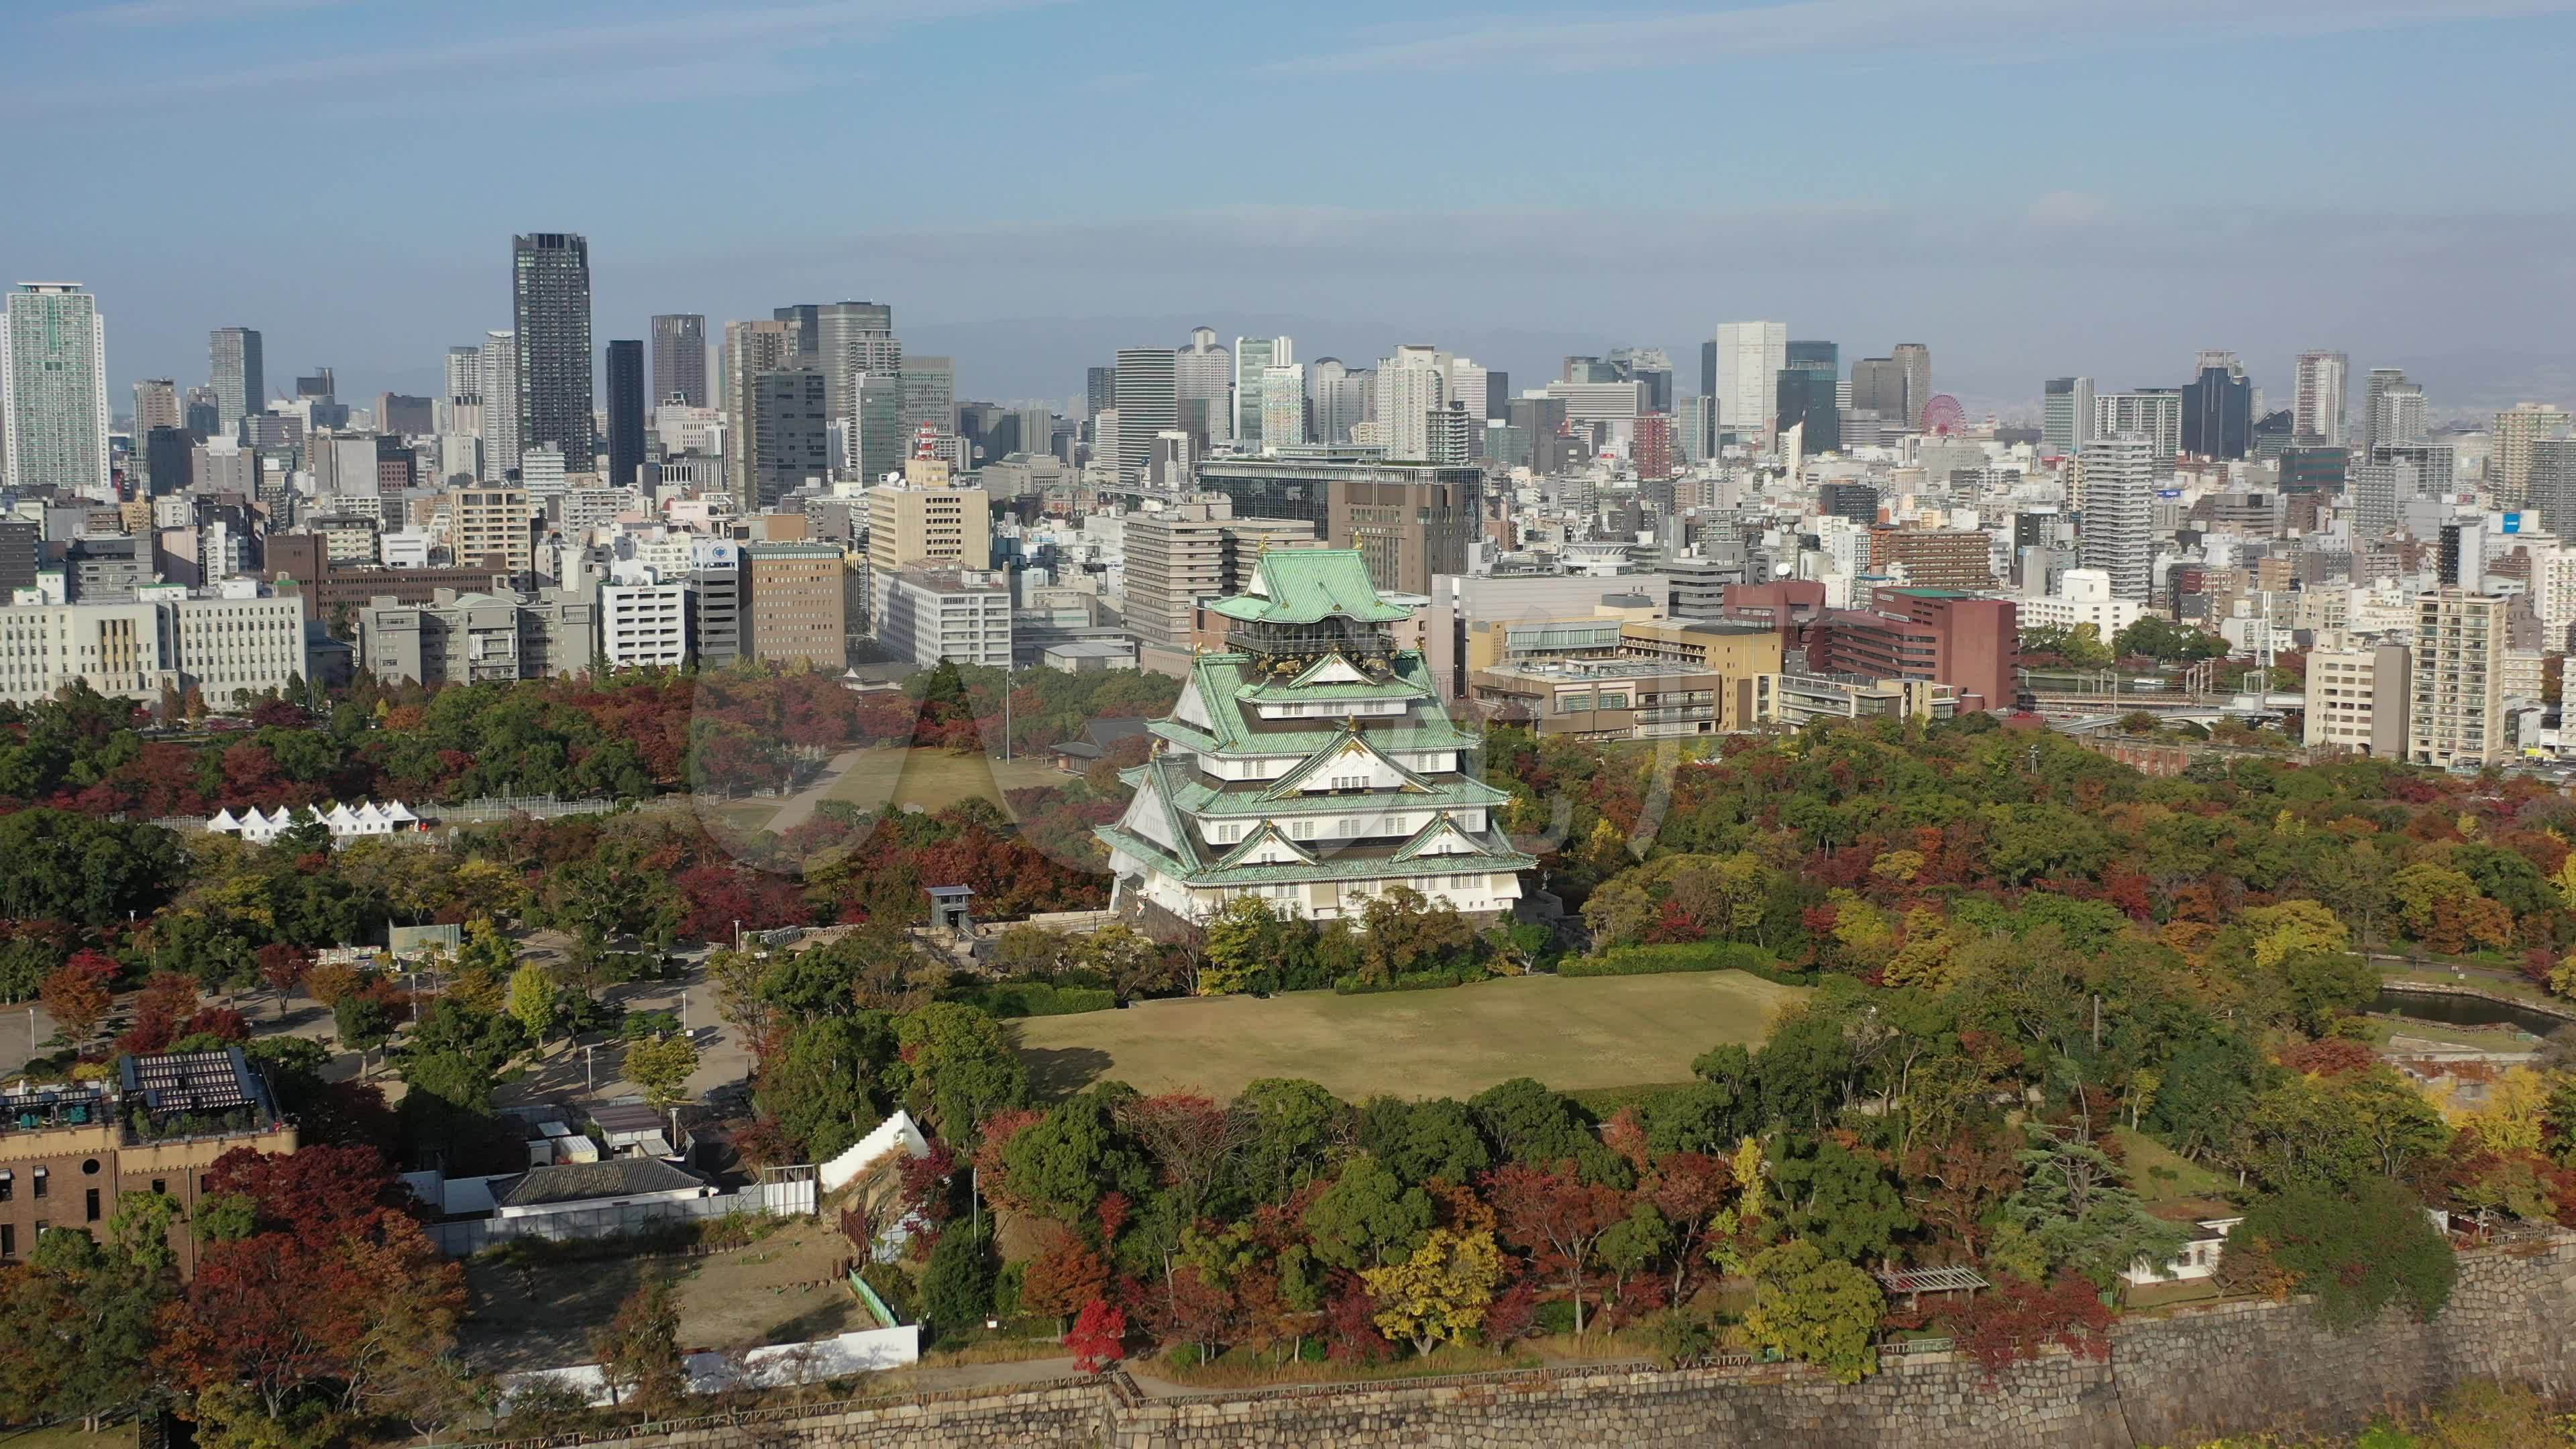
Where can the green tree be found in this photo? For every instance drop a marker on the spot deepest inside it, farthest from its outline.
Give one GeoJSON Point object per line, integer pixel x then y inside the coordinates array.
{"type": "Point", "coordinates": [825, 1089]}
{"type": "Point", "coordinates": [2338, 1133]}
{"type": "Point", "coordinates": [662, 1067]}
{"type": "Point", "coordinates": [1367, 1217]}
{"type": "Point", "coordinates": [1062, 1163]}
{"type": "Point", "coordinates": [1294, 1126]}
{"type": "Point", "coordinates": [1815, 1309]}
{"type": "Point", "coordinates": [77, 1323]}
{"type": "Point", "coordinates": [1420, 1141]}
{"type": "Point", "coordinates": [2158, 637]}
{"type": "Point", "coordinates": [362, 1023]}
{"type": "Point", "coordinates": [964, 1068]}
{"type": "Point", "coordinates": [1841, 1201]}
{"type": "Point", "coordinates": [957, 1287]}
{"type": "Point", "coordinates": [1528, 1123]}
{"type": "Point", "coordinates": [2074, 1212]}
{"type": "Point", "coordinates": [2359, 1251]}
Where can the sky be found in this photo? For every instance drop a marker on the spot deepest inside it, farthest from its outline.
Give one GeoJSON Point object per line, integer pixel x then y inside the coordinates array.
{"type": "Point", "coordinates": [2030, 187]}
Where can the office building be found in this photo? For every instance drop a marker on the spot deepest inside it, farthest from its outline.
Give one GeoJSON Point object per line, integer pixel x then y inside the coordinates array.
{"type": "Point", "coordinates": [1878, 388]}
{"type": "Point", "coordinates": [1410, 386]}
{"type": "Point", "coordinates": [1368, 792]}
{"type": "Point", "coordinates": [1194, 551]}
{"type": "Point", "coordinates": [930, 615]}
{"type": "Point", "coordinates": [2120, 470]}
{"type": "Point", "coordinates": [135, 647]}
{"type": "Point", "coordinates": [793, 606]}
{"type": "Point", "coordinates": [750, 349]}
{"type": "Point", "coordinates": [1253, 357]}
{"type": "Point", "coordinates": [1099, 391]}
{"type": "Point", "coordinates": [625, 412]}
{"type": "Point", "coordinates": [877, 440]}
{"type": "Point", "coordinates": [2066, 415]}
{"type": "Point", "coordinates": [1337, 400]}
{"type": "Point", "coordinates": [238, 373]}
{"type": "Point", "coordinates": [715, 602]}
{"type": "Point", "coordinates": [156, 404]}
{"type": "Point", "coordinates": [53, 391]}
{"type": "Point", "coordinates": [2218, 408]}
{"type": "Point", "coordinates": [2552, 485]}
{"type": "Point", "coordinates": [500, 359]}
{"type": "Point", "coordinates": [2456, 715]}
{"type": "Point", "coordinates": [853, 340]}
{"type": "Point", "coordinates": [1855, 501]}
{"type": "Point", "coordinates": [788, 433]}
{"type": "Point", "coordinates": [921, 521]}
{"type": "Point", "coordinates": [1943, 635]}
{"type": "Point", "coordinates": [644, 623]}
{"type": "Point", "coordinates": [680, 360]}
{"type": "Point", "coordinates": [805, 328]}
{"type": "Point", "coordinates": [2382, 421]}
{"type": "Point", "coordinates": [550, 314]}
{"type": "Point", "coordinates": [1408, 520]}
{"type": "Point", "coordinates": [1451, 435]}
{"type": "Point", "coordinates": [1203, 390]}
{"type": "Point", "coordinates": [1283, 406]}
{"type": "Point", "coordinates": [1914, 362]}
{"type": "Point", "coordinates": [2153, 413]}
{"type": "Point", "coordinates": [1748, 357]}
{"type": "Point", "coordinates": [2317, 407]}
{"type": "Point", "coordinates": [926, 390]}
{"type": "Point", "coordinates": [401, 415]}
{"type": "Point", "coordinates": [1148, 405]}
{"type": "Point", "coordinates": [1805, 398]}
{"type": "Point", "coordinates": [2081, 596]}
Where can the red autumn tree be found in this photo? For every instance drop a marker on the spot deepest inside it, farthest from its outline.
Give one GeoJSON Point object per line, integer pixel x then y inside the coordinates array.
{"type": "Point", "coordinates": [1063, 1277]}
{"type": "Point", "coordinates": [319, 1193]}
{"type": "Point", "coordinates": [2012, 1321]}
{"type": "Point", "coordinates": [1555, 1216]}
{"type": "Point", "coordinates": [76, 996]}
{"type": "Point", "coordinates": [1099, 1337]}
{"type": "Point", "coordinates": [1689, 1188]}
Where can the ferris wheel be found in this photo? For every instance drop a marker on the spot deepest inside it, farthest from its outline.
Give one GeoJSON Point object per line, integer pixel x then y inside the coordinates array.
{"type": "Point", "coordinates": [1943, 414]}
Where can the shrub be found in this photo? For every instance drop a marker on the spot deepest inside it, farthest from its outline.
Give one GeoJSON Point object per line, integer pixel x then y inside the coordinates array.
{"type": "Point", "coordinates": [1039, 998]}
{"type": "Point", "coordinates": [1689, 956]}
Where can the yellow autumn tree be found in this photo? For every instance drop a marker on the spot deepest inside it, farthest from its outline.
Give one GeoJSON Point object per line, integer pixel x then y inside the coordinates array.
{"type": "Point", "coordinates": [1925, 958]}
{"type": "Point", "coordinates": [1441, 1292]}
{"type": "Point", "coordinates": [2514, 1112]}
{"type": "Point", "coordinates": [2294, 928]}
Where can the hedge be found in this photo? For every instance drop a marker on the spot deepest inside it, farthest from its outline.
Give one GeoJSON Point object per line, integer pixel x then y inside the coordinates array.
{"type": "Point", "coordinates": [1690, 956]}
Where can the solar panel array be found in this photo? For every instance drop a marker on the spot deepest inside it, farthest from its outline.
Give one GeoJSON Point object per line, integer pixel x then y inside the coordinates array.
{"type": "Point", "coordinates": [190, 1082]}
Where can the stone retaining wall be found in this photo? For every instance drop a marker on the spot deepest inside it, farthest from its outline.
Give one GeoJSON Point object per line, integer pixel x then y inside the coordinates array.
{"type": "Point", "coordinates": [2169, 1381]}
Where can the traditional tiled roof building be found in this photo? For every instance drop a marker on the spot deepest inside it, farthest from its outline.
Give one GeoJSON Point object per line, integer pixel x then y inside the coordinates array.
{"type": "Point", "coordinates": [1311, 765]}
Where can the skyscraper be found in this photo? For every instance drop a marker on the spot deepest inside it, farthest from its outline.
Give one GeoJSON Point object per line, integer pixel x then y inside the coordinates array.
{"type": "Point", "coordinates": [1411, 385]}
{"type": "Point", "coordinates": [625, 412]}
{"type": "Point", "coordinates": [1283, 405]}
{"type": "Point", "coordinates": [2066, 415]}
{"type": "Point", "coordinates": [750, 349]}
{"type": "Point", "coordinates": [237, 373]}
{"type": "Point", "coordinates": [2382, 381]}
{"type": "Point", "coordinates": [929, 395]}
{"type": "Point", "coordinates": [804, 326]}
{"type": "Point", "coordinates": [1203, 385]}
{"type": "Point", "coordinates": [2396, 414]}
{"type": "Point", "coordinates": [680, 359]}
{"type": "Point", "coordinates": [1749, 358]}
{"type": "Point", "coordinates": [852, 339]}
{"type": "Point", "coordinates": [2457, 711]}
{"type": "Point", "coordinates": [1804, 397]}
{"type": "Point", "coordinates": [500, 405]}
{"type": "Point", "coordinates": [2316, 409]}
{"type": "Point", "coordinates": [1878, 386]}
{"type": "Point", "coordinates": [53, 391]}
{"type": "Point", "coordinates": [2119, 501]}
{"type": "Point", "coordinates": [156, 404]}
{"type": "Point", "coordinates": [2154, 413]}
{"type": "Point", "coordinates": [1915, 361]}
{"type": "Point", "coordinates": [1148, 403]}
{"type": "Point", "coordinates": [2509, 465]}
{"type": "Point", "coordinates": [2217, 408]}
{"type": "Point", "coordinates": [550, 308]}
{"type": "Point", "coordinates": [1099, 391]}
{"type": "Point", "coordinates": [1253, 356]}
{"type": "Point", "coordinates": [791, 431]}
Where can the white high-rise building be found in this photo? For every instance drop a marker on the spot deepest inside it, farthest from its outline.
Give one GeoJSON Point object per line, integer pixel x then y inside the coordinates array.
{"type": "Point", "coordinates": [2457, 713]}
{"type": "Point", "coordinates": [2120, 472]}
{"type": "Point", "coordinates": [2397, 416]}
{"type": "Point", "coordinates": [2316, 412]}
{"type": "Point", "coordinates": [1750, 356]}
{"type": "Point", "coordinates": [500, 363]}
{"type": "Point", "coordinates": [2154, 414]}
{"type": "Point", "coordinates": [2066, 416]}
{"type": "Point", "coordinates": [1340, 399]}
{"type": "Point", "coordinates": [1253, 356]}
{"type": "Point", "coordinates": [1467, 384]}
{"type": "Point", "coordinates": [1203, 385]}
{"type": "Point", "coordinates": [1283, 406]}
{"type": "Point", "coordinates": [53, 391]}
{"type": "Point", "coordinates": [1410, 385]}
{"type": "Point", "coordinates": [2509, 464]}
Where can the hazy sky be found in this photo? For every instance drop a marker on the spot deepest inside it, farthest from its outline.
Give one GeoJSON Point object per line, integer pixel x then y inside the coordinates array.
{"type": "Point", "coordinates": [2029, 186]}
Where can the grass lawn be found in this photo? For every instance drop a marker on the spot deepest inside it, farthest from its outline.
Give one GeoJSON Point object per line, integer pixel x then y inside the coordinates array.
{"type": "Point", "coordinates": [2162, 1175]}
{"type": "Point", "coordinates": [1573, 1034]}
{"type": "Point", "coordinates": [69, 1436]}
{"type": "Point", "coordinates": [929, 779]}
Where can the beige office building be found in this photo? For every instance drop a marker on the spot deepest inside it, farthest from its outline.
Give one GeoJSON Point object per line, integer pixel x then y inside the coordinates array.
{"type": "Point", "coordinates": [493, 523]}
{"type": "Point", "coordinates": [1192, 551]}
{"type": "Point", "coordinates": [2357, 699]}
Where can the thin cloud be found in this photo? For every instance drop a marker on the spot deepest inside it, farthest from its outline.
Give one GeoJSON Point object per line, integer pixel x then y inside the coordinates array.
{"type": "Point", "coordinates": [1854, 26]}
{"type": "Point", "coordinates": [198, 12]}
{"type": "Point", "coordinates": [601, 47]}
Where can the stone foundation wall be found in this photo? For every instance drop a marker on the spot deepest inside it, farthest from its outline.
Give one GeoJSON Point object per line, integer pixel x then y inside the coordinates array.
{"type": "Point", "coordinates": [2169, 1381]}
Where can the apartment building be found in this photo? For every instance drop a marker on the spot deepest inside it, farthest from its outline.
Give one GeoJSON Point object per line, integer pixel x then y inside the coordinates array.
{"type": "Point", "coordinates": [2357, 698]}
{"type": "Point", "coordinates": [2456, 716]}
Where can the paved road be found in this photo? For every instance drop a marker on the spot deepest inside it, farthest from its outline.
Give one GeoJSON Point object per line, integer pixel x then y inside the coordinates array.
{"type": "Point", "coordinates": [799, 807]}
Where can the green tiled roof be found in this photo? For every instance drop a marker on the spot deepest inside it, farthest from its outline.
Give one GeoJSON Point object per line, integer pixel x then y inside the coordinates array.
{"type": "Point", "coordinates": [1224, 681]}
{"type": "Point", "coordinates": [1194, 796]}
{"type": "Point", "coordinates": [1330, 868]}
{"type": "Point", "coordinates": [1261, 834]}
{"type": "Point", "coordinates": [1301, 743]}
{"type": "Point", "coordinates": [1347, 735]}
{"type": "Point", "coordinates": [1308, 585]}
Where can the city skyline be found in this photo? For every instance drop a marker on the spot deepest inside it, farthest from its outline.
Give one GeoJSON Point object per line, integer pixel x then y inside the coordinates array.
{"type": "Point", "coordinates": [2019, 252]}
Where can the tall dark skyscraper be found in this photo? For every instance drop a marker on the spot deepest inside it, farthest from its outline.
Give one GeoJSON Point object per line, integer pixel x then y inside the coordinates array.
{"type": "Point", "coordinates": [1821, 356]}
{"type": "Point", "coordinates": [1099, 391]}
{"type": "Point", "coordinates": [805, 319]}
{"type": "Point", "coordinates": [625, 412]}
{"type": "Point", "coordinates": [680, 360]}
{"type": "Point", "coordinates": [2217, 408]}
{"type": "Point", "coordinates": [550, 309]}
{"type": "Point", "coordinates": [236, 373]}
